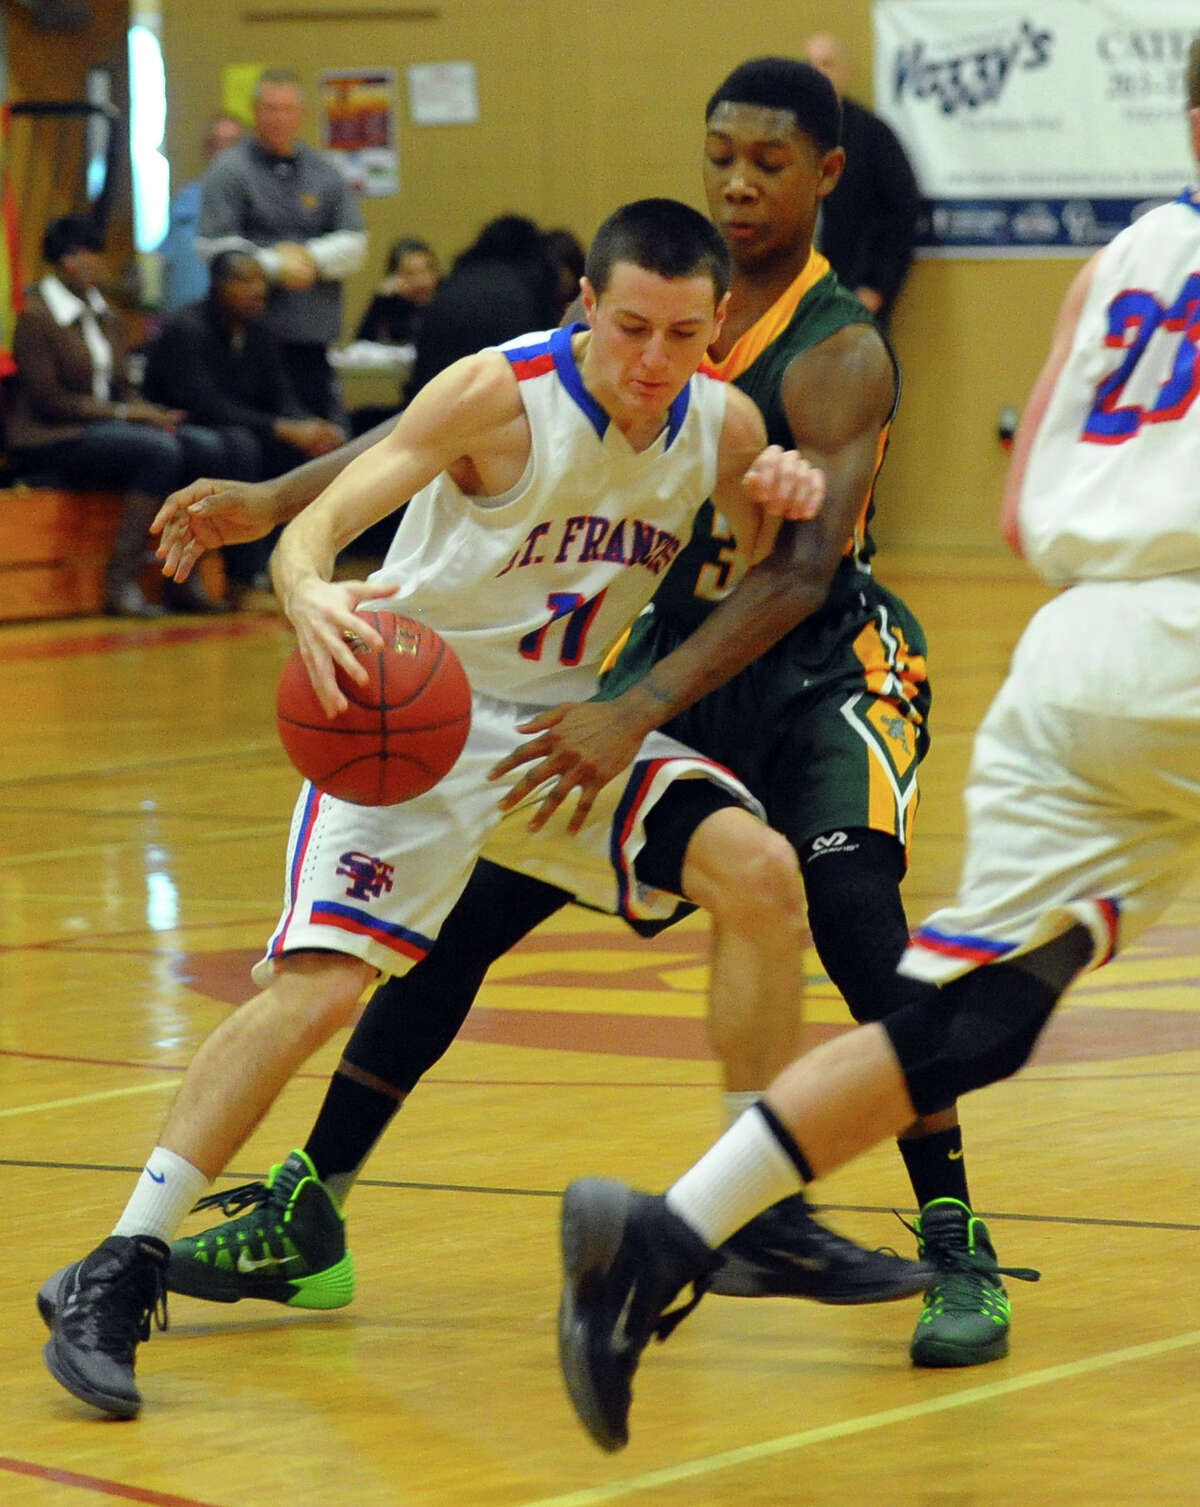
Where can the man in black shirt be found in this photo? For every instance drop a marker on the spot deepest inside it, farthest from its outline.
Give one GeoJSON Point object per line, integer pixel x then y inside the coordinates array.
{"type": "Point", "coordinates": [217, 361]}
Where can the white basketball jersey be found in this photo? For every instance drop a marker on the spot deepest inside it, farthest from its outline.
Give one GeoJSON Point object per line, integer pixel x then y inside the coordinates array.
{"type": "Point", "coordinates": [530, 588]}
{"type": "Point", "coordinates": [1112, 488]}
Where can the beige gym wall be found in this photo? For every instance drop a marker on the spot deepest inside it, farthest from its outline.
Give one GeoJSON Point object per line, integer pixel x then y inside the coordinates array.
{"type": "Point", "coordinates": [583, 106]}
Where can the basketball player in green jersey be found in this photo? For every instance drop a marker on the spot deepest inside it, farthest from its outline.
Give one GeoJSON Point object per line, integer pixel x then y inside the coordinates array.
{"type": "Point", "coordinates": [827, 725]}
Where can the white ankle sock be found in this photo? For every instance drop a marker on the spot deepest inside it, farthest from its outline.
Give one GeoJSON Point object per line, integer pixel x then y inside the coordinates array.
{"type": "Point", "coordinates": [166, 1190]}
{"type": "Point", "coordinates": [745, 1172]}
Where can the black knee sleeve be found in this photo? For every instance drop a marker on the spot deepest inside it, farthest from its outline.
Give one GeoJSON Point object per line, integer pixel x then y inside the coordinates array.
{"type": "Point", "coordinates": [410, 1022]}
{"type": "Point", "coordinates": [852, 885]}
{"type": "Point", "coordinates": [978, 1029]}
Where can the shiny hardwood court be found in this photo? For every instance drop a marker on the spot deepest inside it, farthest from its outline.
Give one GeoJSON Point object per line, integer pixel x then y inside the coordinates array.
{"type": "Point", "coordinates": [144, 804]}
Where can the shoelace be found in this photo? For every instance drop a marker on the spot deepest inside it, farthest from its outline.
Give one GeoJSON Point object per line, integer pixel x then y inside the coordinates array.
{"type": "Point", "coordinates": [953, 1261]}
{"type": "Point", "coordinates": [157, 1310]}
{"type": "Point", "coordinates": [105, 1325]}
{"type": "Point", "coordinates": [234, 1200]}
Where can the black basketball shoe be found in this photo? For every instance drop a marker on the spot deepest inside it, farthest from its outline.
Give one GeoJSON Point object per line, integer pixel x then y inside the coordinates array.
{"type": "Point", "coordinates": [785, 1252]}
{"type": "Point", "coordinates": [625, 1258]}
{"type": "Point", "coordinates": [98, 1309]}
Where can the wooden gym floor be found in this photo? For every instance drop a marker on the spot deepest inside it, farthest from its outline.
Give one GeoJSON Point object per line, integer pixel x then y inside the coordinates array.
{"type": "Point", "coordinates": [144, 805]}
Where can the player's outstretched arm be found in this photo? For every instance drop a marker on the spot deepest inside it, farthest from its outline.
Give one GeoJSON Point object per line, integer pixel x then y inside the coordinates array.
{"type": "Point", "coordinates": [210, 513]}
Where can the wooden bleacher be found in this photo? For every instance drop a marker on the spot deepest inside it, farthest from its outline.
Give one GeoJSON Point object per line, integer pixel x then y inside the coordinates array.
{"type": "Point", "coordinates": [54, 546]}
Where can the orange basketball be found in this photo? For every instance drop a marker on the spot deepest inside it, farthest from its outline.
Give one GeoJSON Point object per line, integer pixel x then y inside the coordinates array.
{"type": "Point", "coordinates": [401, 732]}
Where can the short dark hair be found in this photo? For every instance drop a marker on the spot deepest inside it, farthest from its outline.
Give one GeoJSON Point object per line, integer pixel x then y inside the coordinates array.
{"type": "Point", "coordinates": [565, 250]}
{"type": "Point", "coordinates": [661, 236]}
{"type": "Point", "coordinates": [407, 245]}
{"type": "Point", "coordinates": [507, 238]}
{"type": "Point", "coordinates": [76, 232]}
{"type": "Point", "coordinates": [785, 84]}
{"type": "Point", "coordinates": [1193, 75]}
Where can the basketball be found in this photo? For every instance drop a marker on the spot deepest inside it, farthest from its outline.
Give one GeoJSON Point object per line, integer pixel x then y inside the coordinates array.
{"type": "Point", "coordinates": [401, 732]}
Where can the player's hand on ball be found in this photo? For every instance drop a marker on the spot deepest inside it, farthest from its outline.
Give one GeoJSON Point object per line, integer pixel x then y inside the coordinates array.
{"type": "Point", "coordinates": [326, 623]}
{"type": "Point", "coordinates": [401, 733]}
{"type": "Point", "coordinates": [786, 485]}
{"type": "Point", "coordinates": [207, 515]}
{"type": "Point", "coordinates": [582, 745]}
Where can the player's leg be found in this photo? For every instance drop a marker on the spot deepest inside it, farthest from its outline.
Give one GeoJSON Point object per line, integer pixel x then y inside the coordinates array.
{"type": "Point", "coordinates": [411, 1021]}
{"type": "Point", "coordinates": [852, 879]}
{"type": "Point", "coordinates": [834, 759]}
{"type": "Point", "coordinates": [840, 777]}
{"type": "Point", "coordinates": [407, 1025]}
{"type": "Point", "coordinates": [627, 1255]}
{"type": "Point", "coordinates": [1077, 820]}
{"type": "Point", "coordinates": [344, 920]}
{"type": "Point", "coordinates": [701, 844]}
{"type": "Point", "coordinates": [99, 1308]}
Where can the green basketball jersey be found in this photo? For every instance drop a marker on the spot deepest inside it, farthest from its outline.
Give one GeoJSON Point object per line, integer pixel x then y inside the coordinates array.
{"type": "Point", "coordinates": [706, 569]}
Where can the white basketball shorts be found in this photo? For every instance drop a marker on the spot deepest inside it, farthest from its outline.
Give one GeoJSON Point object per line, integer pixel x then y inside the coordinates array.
{"type": "Point", "coordinates": [377, 881]}
{"type": "Point", "coordinates": [1083, 799]}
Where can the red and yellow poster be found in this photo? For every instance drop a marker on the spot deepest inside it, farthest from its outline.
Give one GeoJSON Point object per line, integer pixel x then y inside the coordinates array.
{"type": "Point", "coordinates": [358, 127]}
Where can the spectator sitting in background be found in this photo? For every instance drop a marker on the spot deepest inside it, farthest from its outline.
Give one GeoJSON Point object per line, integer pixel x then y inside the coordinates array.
{"type": "Point", "coordinates": [218, 362]}
{"type": "Point", "coordinates": [868, 224]}
{"type": "Point", "coordinates": [503, 285]}
{"type": "Point", "coordinates": [185, 275]}
{"type": "Point", "coordinates": [568, 256]}
{"type": "Point", "coordinates": [74, 416]}
{"type": "Point", "coordinates": [394, 316]}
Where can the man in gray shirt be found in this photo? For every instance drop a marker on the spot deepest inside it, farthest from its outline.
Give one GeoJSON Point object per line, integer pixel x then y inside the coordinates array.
{"type": "Point", "coordinates": [281, 200]}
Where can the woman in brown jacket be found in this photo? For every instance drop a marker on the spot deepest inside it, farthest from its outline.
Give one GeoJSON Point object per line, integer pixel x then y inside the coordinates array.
{"type": "Point", "coordinates": [74, 416]}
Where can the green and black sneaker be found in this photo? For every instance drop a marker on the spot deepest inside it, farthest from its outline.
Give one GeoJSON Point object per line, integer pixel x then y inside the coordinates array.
{"type": "Point", "coordinates": [966, 1315]}
{"type": "Point", "coordinates": [290, 1248]}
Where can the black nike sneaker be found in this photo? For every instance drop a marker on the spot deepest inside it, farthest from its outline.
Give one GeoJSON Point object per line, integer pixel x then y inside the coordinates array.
{"type": "Point", "coordinates": [98, 1309]}
{"type": "Point", "coordinates": [785, 1252]}
{"type": "Point", "coordinates": [625, 1258]}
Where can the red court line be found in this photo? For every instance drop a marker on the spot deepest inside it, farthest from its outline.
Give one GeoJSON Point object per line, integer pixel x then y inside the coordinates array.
{"type": "Point", "coordinates": [94, 1483]}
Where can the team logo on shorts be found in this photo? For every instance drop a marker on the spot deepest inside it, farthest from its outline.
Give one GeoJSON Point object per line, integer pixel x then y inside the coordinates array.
{"type": "Point", "coordinates": [371, 876]}
{"type": "Point", "coordinates": [896, 728]}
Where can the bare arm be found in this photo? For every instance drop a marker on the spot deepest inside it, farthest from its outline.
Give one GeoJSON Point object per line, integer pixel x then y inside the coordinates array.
{"type": "Point", "coordinates": [838, 397]}
{"type": "Point", "coordinates": [584, 745]}
{"type": "Point", "coordinates": [467, 416]}
{"type": "Point", "coordinates": [210, 512]}
{"type": "Point", "coordinates": [1039, 400]}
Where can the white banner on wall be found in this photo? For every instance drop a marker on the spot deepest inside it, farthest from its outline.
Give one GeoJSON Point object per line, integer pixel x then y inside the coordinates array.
{"type": "Point", "coordinates": [1036, 128]}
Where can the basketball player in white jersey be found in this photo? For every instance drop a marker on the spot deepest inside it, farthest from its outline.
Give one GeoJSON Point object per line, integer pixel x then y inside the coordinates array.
{"type": "Point", "coordinates": [1083, 802]}
{"type": "Point", "coordinates": [551, 483]}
